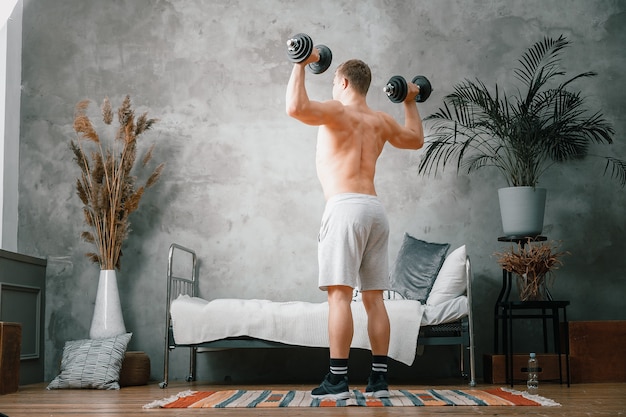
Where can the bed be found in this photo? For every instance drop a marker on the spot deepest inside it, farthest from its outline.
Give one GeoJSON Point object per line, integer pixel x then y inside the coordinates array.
{"type": "Point", "coordinates": [203, 324]}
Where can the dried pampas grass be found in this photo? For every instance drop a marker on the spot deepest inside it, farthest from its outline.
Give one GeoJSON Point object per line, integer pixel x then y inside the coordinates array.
{"type": "Point", "coordinates": [534, 264]}
{"type": "Point", "coordinates": [106, 186]}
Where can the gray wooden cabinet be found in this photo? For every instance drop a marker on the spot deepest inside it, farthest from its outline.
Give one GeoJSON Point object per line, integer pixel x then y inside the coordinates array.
{"type": "Point", "coordinates": [23, 300]}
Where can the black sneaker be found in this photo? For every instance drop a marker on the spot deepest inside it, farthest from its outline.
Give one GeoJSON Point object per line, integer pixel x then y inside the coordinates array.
{"type": "Point", "coordinates": [329, 391]}
{"type": "Point", "coordinates": [377, 386]}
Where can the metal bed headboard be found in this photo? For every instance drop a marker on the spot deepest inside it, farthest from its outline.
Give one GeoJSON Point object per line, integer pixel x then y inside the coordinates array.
{"type": "Point", "coordinates": [178, 285]}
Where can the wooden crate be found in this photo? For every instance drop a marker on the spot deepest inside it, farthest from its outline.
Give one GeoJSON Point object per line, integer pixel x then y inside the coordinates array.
{"type": "Point", "coordinates": [10, 351]}
{"type": "Point", "coordinates": [494, 367]}
{"type": "Point", "coordinates": [598, 351]}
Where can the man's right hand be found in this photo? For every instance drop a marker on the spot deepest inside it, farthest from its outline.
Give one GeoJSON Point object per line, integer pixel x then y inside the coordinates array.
{"type": "Point", "coordinates": [313, 58]}
{"type": "Point", "coordinates": [413, 91]}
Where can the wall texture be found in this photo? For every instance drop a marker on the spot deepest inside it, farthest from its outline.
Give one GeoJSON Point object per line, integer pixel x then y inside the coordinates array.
{"type": "Point", "coordinates": [240, 185]}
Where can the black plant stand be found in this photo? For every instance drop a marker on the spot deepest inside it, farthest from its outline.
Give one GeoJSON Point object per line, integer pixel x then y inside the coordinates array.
{"type": "Point", "coordinates": [505, 311]}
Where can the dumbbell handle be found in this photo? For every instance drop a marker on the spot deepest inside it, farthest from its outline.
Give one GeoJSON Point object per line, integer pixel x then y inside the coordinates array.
{"type": "Point", "coordinates": [292, 44]}
{"type": "Point", "coordinates": [388, 89]}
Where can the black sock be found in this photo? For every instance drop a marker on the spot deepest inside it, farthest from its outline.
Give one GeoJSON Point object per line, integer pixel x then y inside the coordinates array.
{"type": "Point", "coordinates": [379, 364]}
{"type": "Point", "coordinates": [338, 370]}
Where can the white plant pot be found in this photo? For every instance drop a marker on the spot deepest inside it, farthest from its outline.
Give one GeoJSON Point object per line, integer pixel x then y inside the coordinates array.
{"type": "Point", "coordinates": [522, 210]}
{"type": "Point", "coordinates": [107, 314]}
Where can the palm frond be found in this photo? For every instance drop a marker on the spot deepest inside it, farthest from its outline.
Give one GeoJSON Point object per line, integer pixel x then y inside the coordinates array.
{"type": "Point", "coordinates": [541, 60]}
{"type": "Point", "coordinates": [524, 134]}
{"type": "Point", "coordinates": [617, 168]}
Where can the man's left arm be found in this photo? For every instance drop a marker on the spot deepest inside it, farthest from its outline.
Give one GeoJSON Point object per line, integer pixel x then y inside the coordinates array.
{"type": "Point", "coordinates": [411, 135]}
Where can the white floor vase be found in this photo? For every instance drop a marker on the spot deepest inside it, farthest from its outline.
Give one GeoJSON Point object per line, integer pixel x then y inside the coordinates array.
{"type": "Point", "coordinates": [107, 314]}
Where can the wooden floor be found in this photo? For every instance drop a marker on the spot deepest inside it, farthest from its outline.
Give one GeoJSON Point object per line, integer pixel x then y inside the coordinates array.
{"type": "Point", "coordinates": [35, 401]}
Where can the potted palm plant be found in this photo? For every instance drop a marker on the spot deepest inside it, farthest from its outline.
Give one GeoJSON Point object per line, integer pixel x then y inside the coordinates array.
{"type": "Point", "coordinates": [522, 134]}
{"type": "Point", "coordinates": [109, 193]}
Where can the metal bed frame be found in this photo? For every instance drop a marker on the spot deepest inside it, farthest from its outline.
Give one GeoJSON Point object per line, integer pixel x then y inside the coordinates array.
{"type": "Point", "coordinates": [460, 332]}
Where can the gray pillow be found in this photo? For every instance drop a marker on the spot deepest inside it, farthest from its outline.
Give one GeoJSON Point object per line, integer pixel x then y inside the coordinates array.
{"type": "Point", "coordinates": [92, 363]}
{"type": "Point", "coordinates": [416, 267]}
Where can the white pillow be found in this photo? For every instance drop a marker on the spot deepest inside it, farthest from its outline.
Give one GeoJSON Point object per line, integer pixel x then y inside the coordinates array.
{"type": "Point", "coordinates": [450, 282]}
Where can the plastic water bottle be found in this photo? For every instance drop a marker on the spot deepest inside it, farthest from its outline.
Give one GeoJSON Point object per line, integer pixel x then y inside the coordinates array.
{"type": "Point", "coordinates": [532, 384]}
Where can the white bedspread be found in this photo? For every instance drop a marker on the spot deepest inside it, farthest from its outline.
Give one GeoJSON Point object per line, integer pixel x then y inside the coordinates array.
{"type": "Point", "coordinates": [298, 323]}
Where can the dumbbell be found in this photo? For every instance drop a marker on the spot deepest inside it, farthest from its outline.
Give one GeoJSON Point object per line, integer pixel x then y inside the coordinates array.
{"type": "Point", "coordinates": [300, 47]}
{"type": "Point", "coordinates": [397, 88]}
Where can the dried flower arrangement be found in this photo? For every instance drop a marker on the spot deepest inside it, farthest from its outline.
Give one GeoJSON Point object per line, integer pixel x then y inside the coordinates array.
{"type": "Point", "coordinates": [106, 187]}
{"type": "Point", "coordinates": [533, 264]}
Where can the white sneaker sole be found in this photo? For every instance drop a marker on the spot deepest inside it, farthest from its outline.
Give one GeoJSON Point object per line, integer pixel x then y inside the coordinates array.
{"type": "Point", "coordinates": [336, 397]}
{"type": "Point", "coordinates": [378, 394]}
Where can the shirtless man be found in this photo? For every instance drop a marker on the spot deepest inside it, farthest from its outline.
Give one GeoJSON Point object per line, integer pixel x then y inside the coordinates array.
{"type": "Point", "coordinates": [353, 237]}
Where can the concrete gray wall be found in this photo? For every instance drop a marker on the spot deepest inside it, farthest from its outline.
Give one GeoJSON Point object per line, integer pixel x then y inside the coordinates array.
{"type": "Point", "coordinates": [240, 185]}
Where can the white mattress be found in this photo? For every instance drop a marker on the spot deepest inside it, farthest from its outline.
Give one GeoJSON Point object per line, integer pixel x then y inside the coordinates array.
{"type": "Point", "coordinates": [195, 321]}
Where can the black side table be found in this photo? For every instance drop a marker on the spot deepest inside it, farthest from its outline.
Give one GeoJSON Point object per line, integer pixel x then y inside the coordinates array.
{"type": "Point", "coordinates": [506, 311]}
{"type": "Point", "coordinates": [544, 310]}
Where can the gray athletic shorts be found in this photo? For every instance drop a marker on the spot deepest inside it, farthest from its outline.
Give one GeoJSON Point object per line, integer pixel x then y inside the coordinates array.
{"type": "Point", "coordinates": [353, 241]}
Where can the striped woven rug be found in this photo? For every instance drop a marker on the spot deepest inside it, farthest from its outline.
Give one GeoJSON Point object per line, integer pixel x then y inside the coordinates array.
{"type": "Point", "coordinates": [398, 398]}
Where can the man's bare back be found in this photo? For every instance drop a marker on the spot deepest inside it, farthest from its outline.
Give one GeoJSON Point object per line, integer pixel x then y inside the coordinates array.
{"type": "Point", "coordinates": [347, 155]}
{"type": "Point", "coordinates": [351, 136]}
